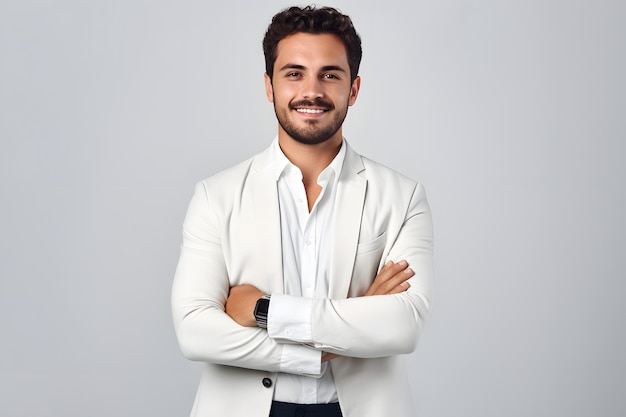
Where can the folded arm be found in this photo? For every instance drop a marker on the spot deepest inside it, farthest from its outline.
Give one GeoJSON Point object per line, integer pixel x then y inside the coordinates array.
{"type": "Point", "coordinates": [387, 320]}
{"type": "Point", "coordinates": [392, 279]}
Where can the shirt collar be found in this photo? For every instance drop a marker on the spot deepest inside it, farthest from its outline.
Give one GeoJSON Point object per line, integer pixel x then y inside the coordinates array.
{"type": "Point", "coordinates": [282, 164]}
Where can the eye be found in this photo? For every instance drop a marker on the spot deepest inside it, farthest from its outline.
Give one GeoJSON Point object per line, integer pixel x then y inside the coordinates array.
{"type": "Point", "coordinates": [330, 77]}
{"type": "Point", "coordinates": [292, 74]}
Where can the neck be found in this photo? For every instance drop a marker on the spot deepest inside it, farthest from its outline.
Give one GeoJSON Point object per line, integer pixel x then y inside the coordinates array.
{"type": "Point", "coordinates": [311, 159]}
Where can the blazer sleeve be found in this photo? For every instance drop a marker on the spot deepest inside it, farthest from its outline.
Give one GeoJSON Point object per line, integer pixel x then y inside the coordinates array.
{"type": "Point", "coordinates": [199, 292]}
{"type": "Point", "coordinates": [383, 325]}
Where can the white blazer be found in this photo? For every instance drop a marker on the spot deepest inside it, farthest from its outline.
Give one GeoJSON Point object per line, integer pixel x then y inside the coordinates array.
{"type": "Point", "coordinates": [231, 236]}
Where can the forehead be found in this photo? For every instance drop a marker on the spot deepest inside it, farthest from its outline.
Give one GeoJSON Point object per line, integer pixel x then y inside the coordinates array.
{"type": "Point", "coordinates": [313, 49]}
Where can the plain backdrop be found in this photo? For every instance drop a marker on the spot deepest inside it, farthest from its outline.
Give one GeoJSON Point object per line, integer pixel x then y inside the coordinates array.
{"type": "Point", "coordinates": [512, 113]}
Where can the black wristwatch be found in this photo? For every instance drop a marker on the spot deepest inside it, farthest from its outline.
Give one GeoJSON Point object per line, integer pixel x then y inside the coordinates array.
{"type": "Point", "coordinates": [260, 311]}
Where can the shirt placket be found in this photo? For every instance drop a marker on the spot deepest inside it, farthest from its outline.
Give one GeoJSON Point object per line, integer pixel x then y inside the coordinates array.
{"type": "Point", "coordinates": [308, 276]}
{"type": "Point", "coordinates": [308, 271]}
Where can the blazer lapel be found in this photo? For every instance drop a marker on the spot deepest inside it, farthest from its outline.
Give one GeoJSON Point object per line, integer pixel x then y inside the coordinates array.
{"type": "Point", "coordinates": [349, 209]}
{"type": "Point", "coordinates": [264, 203]}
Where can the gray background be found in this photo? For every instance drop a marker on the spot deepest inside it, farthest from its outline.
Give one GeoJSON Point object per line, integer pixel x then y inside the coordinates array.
{"type": "Point", "coordinates": [510, 112]}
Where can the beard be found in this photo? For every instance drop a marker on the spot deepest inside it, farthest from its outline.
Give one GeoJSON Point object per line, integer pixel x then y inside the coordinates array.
{"type": "Point", "coordinates": [315, 131]}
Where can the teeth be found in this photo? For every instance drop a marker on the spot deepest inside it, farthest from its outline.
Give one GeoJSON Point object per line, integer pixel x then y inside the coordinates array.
{"type": "Point", "coordinates": [311, 111]}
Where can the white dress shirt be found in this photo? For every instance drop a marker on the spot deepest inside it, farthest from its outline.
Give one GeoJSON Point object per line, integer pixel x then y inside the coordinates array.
{"type": "Point", "coordinates": [306, 250]}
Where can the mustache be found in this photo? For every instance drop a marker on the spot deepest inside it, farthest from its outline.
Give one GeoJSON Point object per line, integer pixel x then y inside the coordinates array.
{"type": "Point", "coordinates": [318, 102]}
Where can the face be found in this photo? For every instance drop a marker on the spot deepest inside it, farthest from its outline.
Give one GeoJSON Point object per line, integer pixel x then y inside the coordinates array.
{"type": "Point", "coordinates": [311, 88]}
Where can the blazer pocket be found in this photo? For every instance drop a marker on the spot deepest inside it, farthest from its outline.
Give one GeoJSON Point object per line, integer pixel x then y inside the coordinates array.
{"type": "Point", "coordinates": [371, 246]}
{"type": "Point", "coordinates": [366, 263]}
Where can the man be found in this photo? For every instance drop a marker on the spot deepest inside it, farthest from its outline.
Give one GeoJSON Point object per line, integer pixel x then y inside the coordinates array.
{"type": "Point", "coordinates": [306, 270]}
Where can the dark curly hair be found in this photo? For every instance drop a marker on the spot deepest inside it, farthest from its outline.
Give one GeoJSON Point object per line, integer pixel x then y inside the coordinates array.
{"type": "Point", "coordinates": [310, 19]}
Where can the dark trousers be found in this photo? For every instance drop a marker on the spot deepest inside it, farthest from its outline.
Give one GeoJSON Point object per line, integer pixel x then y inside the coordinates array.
{"type": "Point", "coordinates": [280, 409]}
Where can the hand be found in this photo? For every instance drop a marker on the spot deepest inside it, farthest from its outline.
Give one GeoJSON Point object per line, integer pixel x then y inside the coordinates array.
{"type": "Point", "coordinates": [326, 356]}
{"type": "Point", "coordinates": [391, 279]}
{"type": "Point", "coordinates": [241, 302]}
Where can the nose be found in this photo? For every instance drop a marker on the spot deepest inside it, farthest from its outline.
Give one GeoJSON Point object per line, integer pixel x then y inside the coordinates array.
{"type": "Point", "coordinates": [312, 88]}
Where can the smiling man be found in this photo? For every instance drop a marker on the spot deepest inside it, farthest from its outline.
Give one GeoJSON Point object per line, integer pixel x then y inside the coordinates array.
{"type": "Point", "coordinates": [305, 271]}
{"type": "Point", "coordinates": [317, 63]}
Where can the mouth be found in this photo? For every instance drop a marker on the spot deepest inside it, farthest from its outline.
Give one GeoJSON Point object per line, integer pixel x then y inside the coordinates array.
{"type": "Point", "coordinates": [306, 110]}
{"type": "Point", "coordinates": [311, 108]}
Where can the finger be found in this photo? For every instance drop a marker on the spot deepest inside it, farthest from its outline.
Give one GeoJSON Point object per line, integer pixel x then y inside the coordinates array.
{"type": "Point", "coordinates": [401, 277]}
{"type": "Point", "coordinates": [329, 356]}
{"type": "Point", "coordinates": [387, 272]}
{"type": "Point", "coordinates": [402, 287]}
{"type": "Point", "coordinates": [391, 268]}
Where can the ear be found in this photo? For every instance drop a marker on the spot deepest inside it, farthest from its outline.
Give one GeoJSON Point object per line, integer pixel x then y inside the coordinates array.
{"type": "Point", "coordinates": [354, 90]}
{"type": "Point", "coordinates": [269, 89]}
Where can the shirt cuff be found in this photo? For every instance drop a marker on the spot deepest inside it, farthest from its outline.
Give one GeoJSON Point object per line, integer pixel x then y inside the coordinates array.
{"type": "Point", "coordinates": [289, 318]}
{"type": "Point", "coordinates": [301, 360]}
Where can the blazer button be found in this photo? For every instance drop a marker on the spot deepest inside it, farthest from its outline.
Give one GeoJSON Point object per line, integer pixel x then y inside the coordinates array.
{"type": "Point", "coordinates": [267, 383]}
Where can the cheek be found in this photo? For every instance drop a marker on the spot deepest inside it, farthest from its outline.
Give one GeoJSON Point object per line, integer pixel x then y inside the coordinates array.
{"type": "Point", "coordinates": [282, 97]}
{"type": "Point", "coordinates": [347, 99]}
{"type": "Point", "coordinates": [342, 95]}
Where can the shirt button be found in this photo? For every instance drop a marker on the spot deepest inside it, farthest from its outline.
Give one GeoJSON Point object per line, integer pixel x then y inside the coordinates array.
{"type": "Point", "coordinates": [267, 383]}
{"type": "Point", "coordinates": [308, 242]}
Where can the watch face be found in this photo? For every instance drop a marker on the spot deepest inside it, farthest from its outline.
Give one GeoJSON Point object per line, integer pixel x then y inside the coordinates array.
{"type": "Point", "coordinates": [260, 311]}
{"type": "Point", "coordinates": [262, 306]}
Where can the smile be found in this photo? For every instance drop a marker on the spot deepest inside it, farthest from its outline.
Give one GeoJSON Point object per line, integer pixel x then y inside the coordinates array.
{"type": "Point", "coordinates": [310, 111]}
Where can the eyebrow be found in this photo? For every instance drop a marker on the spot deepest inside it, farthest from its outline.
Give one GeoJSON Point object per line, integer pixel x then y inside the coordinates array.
{"type": "Point", "coordinates": [302, 67]}
{"type": "Point", "coordinates": [292, 66]}
{"type": "Point", "coordinates": [333, 68]}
